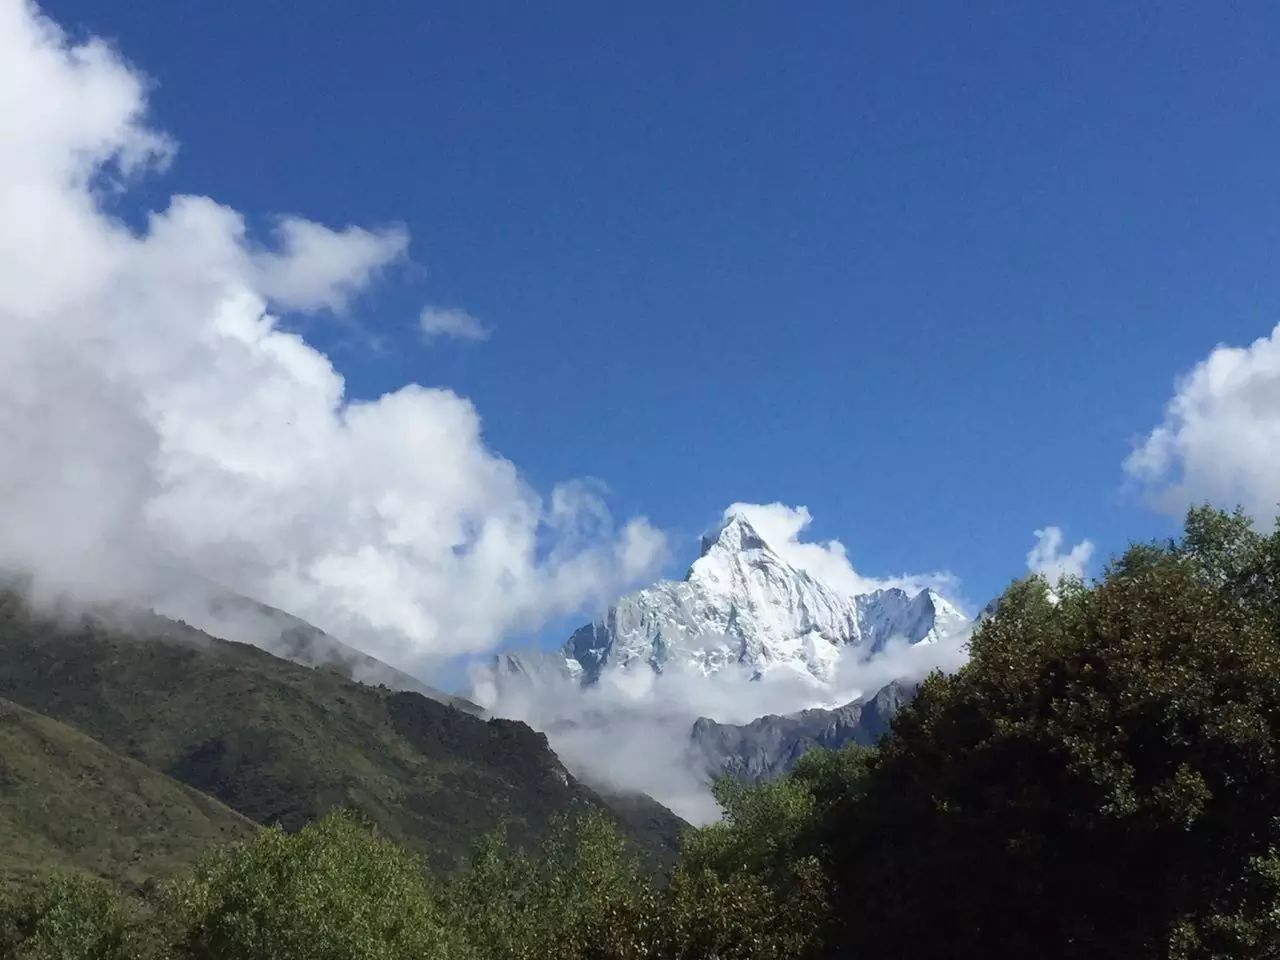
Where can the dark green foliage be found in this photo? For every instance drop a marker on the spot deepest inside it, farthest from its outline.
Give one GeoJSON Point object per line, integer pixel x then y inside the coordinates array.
{"type": "Point", "coordinates": [72, 917]}
{"type": "Point", "coordinates": [754, 885]}
{"type": "Point", "coordinates": [739, 916]}
{"type": "Point", "coordinates": [1101, 780]}
{"type": "Point", "coordinates": [763, 827]}
{"type": "Point", "coordinates": [768, 827]}
{"type": "Point", "coordinates": [583, 896]}
{"type": "Point", "coordinates": [751, 887]}
{"type": "Point", "coordinates": [337, 891]}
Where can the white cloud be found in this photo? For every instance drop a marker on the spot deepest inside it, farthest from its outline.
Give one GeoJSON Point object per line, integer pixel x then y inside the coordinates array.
{"type": "Point", "coordinates": [1220, 438]}
{"type": "Point", "coordinates": [451, 322]}
{"type": "Point", "coordinates": [315, 267]}
{"type": "Point", "coordinates": [154, 416]}
{"type": "Point", "coordinates": [781, 527]}
{"type": "Point", "coordinates": [1048, 559]}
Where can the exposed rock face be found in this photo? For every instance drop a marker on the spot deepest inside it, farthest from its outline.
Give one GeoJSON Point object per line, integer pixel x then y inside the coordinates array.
{"type": "Point", "coordinates": [770, 746]}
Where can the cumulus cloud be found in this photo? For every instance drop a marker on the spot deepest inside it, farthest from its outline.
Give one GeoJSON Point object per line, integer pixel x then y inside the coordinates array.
{"type": "Point", "coordinates": [154, 417]}
{"type": "Point", "coordinates": [1220, 438]}
{"type": "Point", "coordinates": [437, 322]}
{"type": "Point", "coordinates": [1048, 559]}
{"type": "Point", "coordinates": [782, 526]}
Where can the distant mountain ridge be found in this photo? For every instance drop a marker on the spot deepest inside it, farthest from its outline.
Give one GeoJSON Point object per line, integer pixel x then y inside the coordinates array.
{"type": "Point", "coordinates": [231, 616]}
{"type": "Point", "coordinates": [769, 747]}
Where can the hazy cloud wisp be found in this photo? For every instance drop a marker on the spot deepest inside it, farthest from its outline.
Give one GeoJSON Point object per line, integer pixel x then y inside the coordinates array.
{"type": "Point", "coordinates": [451, 322]}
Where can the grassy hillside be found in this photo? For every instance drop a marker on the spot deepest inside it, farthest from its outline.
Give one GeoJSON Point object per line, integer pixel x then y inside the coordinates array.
{"type": "Point", "coordinates": [282, 743]}
{"type": "Point", "coordinates": [66, 801]}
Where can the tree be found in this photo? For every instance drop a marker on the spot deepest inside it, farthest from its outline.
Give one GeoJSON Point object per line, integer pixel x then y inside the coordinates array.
{"type": "Point", "coordinates": [752, 887]}
{"type": "Point", "coordinates": [333, 891]}
{"type": "Point", "coordinates": [73, 917]}
{"type": "Point", "coordinates": [1100, 780]}
{"type": "Point", "coordinates": [740, 892]}
{"type": "Point", "coordinates": [581, 898]}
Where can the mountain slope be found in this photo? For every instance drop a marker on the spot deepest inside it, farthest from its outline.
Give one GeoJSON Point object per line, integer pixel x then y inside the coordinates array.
{"type": "Point", "coordinates": [280, 743]}
{"type": "Point", "coordinates": [67, 802]}
{"type": "Point", "coordinates": [769, 747]}
{"type": "Point", "coordinates": [223, 613]}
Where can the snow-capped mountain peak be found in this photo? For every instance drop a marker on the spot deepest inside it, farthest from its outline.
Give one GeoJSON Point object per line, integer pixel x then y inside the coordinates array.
{"type": "Point", "coordinates": [741, 604]}
{"type": "Point", "coordinates": [734, 535]}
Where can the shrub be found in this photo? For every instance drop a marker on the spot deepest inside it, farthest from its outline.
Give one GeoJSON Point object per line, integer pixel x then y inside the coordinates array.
{"type": "Point", "coordinates": [582, 897]}
{"type": "Point", "coordinates": [73, 917]}
{"type": "Point", "coordinates": [333, 891]}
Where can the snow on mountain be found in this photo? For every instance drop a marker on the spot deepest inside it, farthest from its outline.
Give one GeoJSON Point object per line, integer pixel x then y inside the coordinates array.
{"type": "Point", "coordinates": [747, 633]}
{"type": "Point", "coordinates": [742, 605]}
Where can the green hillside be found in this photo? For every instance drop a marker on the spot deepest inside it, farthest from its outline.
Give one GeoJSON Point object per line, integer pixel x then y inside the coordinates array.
{"type": "Point", "coordinates": [283, 744]}
{"type": "Point", "coordinates": [68, 802]}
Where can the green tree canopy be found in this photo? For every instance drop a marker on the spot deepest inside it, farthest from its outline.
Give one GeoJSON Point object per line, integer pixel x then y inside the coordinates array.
{"type": "Point", "coordinates": [1100, 780]}
{"type": "Point", "coordinates": [72, 917]}
{"type": "Point", "coordinates": [333, 891]}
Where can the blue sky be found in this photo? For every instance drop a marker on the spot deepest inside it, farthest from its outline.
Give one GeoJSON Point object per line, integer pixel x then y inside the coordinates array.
{"type": "Point", "coordinates": [929, 273]}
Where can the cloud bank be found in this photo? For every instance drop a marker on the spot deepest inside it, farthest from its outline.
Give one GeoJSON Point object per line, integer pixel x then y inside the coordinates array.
{"type": "Point", "coordinates": [155, 416]}
{"type": "Point", "coordinates": [1219, 440]}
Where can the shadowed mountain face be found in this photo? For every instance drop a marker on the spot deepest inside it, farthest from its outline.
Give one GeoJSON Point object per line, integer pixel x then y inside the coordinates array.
{"type": "Point", "coordinates": [770, 746]}
{"type": "Point", "coordinates": [282, 743]}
